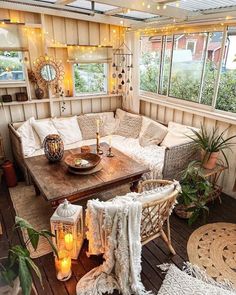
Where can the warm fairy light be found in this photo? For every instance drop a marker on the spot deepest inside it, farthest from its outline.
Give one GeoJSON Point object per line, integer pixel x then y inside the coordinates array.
{"type": "Point", "coordinates": [121, 22]}
{"type": "Point", "coordinates": [164, 6]}
{"type": "Point", "coordinates": [148, 6]}
{"type": "Point", "coordinates": [143, 3]}
{"type": "Point", "coordinates": [158, 7]}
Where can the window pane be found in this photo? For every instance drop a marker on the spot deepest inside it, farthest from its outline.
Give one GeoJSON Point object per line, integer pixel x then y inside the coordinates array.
{"type": "Point", "coordinates": [187, 66]}
{"type": "Point", "coordinates": [226, 98]}
{"type": "Point", "coordinates": [90, 78]}
{"type": "Point", "coordinates": [167, 47]}
{"type": "Point", "coordinates": [212, 66]}
{"type": "Point", "coordinates": [11, 67]}
{"type": "Point", "coordinates": [150, 63]}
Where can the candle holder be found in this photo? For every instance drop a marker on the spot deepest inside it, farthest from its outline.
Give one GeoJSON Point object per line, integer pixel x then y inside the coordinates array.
{"type": "Point", "coordinates": [63, 265]}
{"type": "Point", "coordinates": [99, 150]}
{"type": "Point", "coordinates": [110, 154]}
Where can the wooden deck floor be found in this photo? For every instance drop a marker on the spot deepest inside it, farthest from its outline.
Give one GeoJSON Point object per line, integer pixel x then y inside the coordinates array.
{"type": "Point", "coordinates": [153, 253]}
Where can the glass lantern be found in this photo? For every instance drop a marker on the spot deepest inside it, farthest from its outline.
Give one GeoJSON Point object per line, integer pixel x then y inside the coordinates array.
{"type": "Point", "coordinates": [67, 226]}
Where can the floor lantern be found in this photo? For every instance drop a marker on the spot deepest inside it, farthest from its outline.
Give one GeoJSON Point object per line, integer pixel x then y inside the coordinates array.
{"type": "Point", "coordinates": [67, 226]}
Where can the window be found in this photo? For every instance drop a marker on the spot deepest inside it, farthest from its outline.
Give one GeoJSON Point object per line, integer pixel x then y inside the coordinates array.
{"type": "Point", "coordinates": [191, 45]}
{"type": "Point", "coordinates": [11, 66]}
{"type": "Point", "coordinates": [150, 63]}
{"type": "Point", "coordinates": [90, 78]}
{"type": "Point", "coordinates": [187, 67]}
{"type": "Point", "coordinates": [226, 97]}
{"type": "Point", "coordinates": [197, 67]}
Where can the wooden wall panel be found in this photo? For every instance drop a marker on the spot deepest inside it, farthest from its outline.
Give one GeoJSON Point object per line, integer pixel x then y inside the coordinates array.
{"type": "Point", "coordinates": [94, 33]}
{"type": "Point", "coordinates": [104, 34]}
{"type": "Point", "coordinates": [83, 31]}
{"type": "Point", "coordinates": [71, 32]}
{"type": "Point", "coordinates": [228, 178]}
{"type": "Point", "coordinates": [59, 29]}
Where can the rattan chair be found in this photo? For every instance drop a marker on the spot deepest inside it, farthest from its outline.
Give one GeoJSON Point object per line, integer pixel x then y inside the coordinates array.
{"type": "Point", "coordinates": [155, 213]}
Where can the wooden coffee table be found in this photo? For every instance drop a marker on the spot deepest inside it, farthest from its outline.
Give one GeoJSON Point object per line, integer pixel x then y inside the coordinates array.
{"type": "Point", "coordinates": [55, 182]}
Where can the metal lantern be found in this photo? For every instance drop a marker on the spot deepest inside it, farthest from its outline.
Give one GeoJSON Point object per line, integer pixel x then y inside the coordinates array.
{"type": "Point", "coordinates": [53, 147]}
{"type": "Point", "coordinates": [67, 226]}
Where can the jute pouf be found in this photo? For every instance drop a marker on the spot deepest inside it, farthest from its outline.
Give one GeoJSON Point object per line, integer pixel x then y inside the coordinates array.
{"type": "Point", "coordinates": [213, 247]}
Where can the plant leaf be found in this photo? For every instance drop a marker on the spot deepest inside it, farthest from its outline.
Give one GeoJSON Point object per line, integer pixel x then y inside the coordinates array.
{"type": "Point", "coordinates": [35, 268]}
{"type": "Point", "coordinates": [24, 276]}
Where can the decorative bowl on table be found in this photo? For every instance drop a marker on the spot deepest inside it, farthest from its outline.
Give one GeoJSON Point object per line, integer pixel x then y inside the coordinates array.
{"type": "Point", "coordinates": [82, 161]}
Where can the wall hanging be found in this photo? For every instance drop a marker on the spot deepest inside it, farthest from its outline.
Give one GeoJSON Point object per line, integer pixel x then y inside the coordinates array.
{"type": "Point", "coordinates": [122, 67]}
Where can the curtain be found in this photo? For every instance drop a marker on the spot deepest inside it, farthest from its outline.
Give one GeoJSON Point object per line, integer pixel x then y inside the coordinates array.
{"type": "Point", "coordinates": [13, 37]}
{"type": "Point", "coordinates": [89, 54]}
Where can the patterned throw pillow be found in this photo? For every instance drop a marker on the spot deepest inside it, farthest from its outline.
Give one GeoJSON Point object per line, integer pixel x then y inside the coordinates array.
{"type": "Point", "coordinates": [88, 126]}
{"type": "Point", "coordinates": [130, 126]}
{"type": "Point", "coordinates": [178, 282]}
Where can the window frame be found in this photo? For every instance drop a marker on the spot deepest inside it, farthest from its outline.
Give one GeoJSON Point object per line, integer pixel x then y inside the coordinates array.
{"type": "Point", "coordinates": [191, 104]}
{"type": "Point", "coordinates": [106, 80]}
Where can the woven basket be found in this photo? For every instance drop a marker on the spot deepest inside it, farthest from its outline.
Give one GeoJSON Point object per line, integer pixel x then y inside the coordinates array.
{"type": "Point", "coordinates": [181, 211]}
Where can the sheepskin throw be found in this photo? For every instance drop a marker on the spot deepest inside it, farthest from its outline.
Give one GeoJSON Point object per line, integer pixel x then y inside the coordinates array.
{"type": "Point", "coordinates": [114, 230]}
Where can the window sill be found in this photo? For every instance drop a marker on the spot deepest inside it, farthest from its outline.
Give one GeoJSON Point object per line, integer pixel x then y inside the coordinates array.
{"type": "Point", "coordinates": [190, 107]}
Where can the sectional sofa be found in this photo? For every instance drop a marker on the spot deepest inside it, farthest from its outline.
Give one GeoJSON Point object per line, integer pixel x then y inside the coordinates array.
{"type": "Point", "coordinates": [166, 150]}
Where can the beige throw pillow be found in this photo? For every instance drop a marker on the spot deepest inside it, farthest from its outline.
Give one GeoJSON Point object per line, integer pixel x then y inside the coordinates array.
{"type": "Point", "coordinates": [88, 126]}
{"type": "Point", "coordinates": [153, 134]}
{"type": "Point", "coordinates": [129, 126]}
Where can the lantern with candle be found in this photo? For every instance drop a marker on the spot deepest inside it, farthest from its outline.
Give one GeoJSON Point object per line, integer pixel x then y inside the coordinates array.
{"type": "Point", "coordinates": [53, 147]}
{"type": "Point", "coordinates": [67, 226]}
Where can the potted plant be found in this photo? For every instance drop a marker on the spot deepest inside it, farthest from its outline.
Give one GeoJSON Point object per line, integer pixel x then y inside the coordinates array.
{"type": "Point", "coordinates": [212, 144]}
{"type": "Point", "coordinates": [15, 270]}
{"type": "Point", "coordinates": [195, 193]}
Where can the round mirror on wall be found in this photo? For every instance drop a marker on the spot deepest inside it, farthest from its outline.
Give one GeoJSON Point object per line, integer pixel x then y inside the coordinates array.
{"type": "Point", "coordinates": [48, 73]}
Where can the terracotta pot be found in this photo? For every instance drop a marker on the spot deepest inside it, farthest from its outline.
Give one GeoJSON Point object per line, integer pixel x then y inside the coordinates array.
{"type": "Point", "coordinates": [39, 93]}
{"type": "Point", "coordinates": [9, 173]}
{"type": "Point", "coordinates": [209, 160]}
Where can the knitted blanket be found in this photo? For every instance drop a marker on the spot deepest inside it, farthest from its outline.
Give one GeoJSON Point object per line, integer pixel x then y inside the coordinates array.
{"type": "Point", "coordinates": [114, 230]}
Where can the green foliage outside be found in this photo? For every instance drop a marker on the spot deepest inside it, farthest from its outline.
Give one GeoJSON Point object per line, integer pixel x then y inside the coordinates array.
{"type": "Point", "coordinates": [89, 78]}
{"type": "Point", "coordinates": [185, 85]}
{"type": "Point", "coordinates": [10, 61]}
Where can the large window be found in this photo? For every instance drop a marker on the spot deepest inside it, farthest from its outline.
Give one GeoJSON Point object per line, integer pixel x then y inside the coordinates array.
{"type": "Point", "coordinates": [11, 67]}
{"type": "Point", "coordinates": [198, 67]}
{"type": "Point", "coordinates": [90, 78]}
{"type": "Point", "coordinates": [150, 63]}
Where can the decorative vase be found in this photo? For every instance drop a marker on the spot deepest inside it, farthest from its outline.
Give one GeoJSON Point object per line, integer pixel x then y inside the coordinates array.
{"type": "Point", "coordinates": [39, 93]}
{"type": "Point", "coordinates": [209, 160]}
{"type": "Point", "coordinates": [53, 147]}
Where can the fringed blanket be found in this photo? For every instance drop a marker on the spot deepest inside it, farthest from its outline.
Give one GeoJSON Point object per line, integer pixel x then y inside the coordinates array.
{"type": "Point", "coordinates": [114, 230]}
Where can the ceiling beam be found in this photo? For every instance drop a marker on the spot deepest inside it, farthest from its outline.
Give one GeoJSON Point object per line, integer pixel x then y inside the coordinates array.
{"type": "Point", "coordinates": [151, 7]}
{"type": "Point", "coordinates": [59, 10]}
{"type": "Point", "coordinates": [64, 2]}
{"type": "Point", "coordinates": [116, 11]}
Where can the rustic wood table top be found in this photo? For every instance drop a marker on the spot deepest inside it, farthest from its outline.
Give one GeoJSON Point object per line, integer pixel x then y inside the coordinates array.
{"type": "Point", "coordinates": [55, 182]}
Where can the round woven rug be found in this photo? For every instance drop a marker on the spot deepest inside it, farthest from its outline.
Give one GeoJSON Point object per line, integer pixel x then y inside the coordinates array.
{"type": "Point", "coordinates": [213, 247]}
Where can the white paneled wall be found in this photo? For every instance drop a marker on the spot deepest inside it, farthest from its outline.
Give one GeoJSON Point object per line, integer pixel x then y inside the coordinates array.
{"type": "Point", "coordinates": [165, 114]}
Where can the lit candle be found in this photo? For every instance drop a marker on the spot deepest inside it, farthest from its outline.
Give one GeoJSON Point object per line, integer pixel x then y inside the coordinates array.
{"type": "Point", "coordinates": [65, 266]}
{"type": "Point", "coordinates": [110, 138]}
{"type": "Point", "coordinates": [68, 85]}
{"type": "Point", "coordinates": [98, 122]}
{"type": "Point", "coordinates": [68, 241]}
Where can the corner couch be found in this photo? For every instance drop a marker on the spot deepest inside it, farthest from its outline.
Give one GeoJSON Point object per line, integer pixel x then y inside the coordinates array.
{"type": "Point", "coordinates": [164, 160]}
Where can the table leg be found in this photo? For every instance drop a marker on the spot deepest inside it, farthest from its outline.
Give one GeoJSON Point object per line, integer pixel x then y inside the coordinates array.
{"type": "Point", "coordinates": [37, 191]}
{"type": "Point", "coordinates": [134, 186]}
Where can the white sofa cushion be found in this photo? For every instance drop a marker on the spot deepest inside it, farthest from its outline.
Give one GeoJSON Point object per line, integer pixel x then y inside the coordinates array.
{"type": "Point", "coordinates": [43, 128]}
{"type": "Point", "coordinates": [177, 282]}
{"type": "Point", "coordinates": [120, 114]}
{"type": "Point", "coordinates": [177, 134]}
{"type": "Point", "coordinates": [110, 123]}
{"type": "Point", "coordinates": [27, 136]}
{"type": "Point", "coordinates": [157, 193]}
{"type": "Point", "coordinates": [68, 128]}
{"type": "Point", "coordinates": [88, 126]}
{"type": "Point", "coordinates": [153, 134]}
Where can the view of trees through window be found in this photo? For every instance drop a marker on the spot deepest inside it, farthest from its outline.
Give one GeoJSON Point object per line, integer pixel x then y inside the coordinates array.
{"type": "Point", "coordinates": [90, 78]}
{"type": "Point", "coordinates": [11, 67]}
{"type": "Point", "coordinates": [192, 74]}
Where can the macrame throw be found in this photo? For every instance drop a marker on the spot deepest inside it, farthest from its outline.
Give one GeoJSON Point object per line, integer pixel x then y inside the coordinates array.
{"type": "Point", "coordinates": [114, 231]}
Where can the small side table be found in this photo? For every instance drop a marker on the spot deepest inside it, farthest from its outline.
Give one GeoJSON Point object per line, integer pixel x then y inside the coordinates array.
{"type": "Point", "coordinates": [213, 175]}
